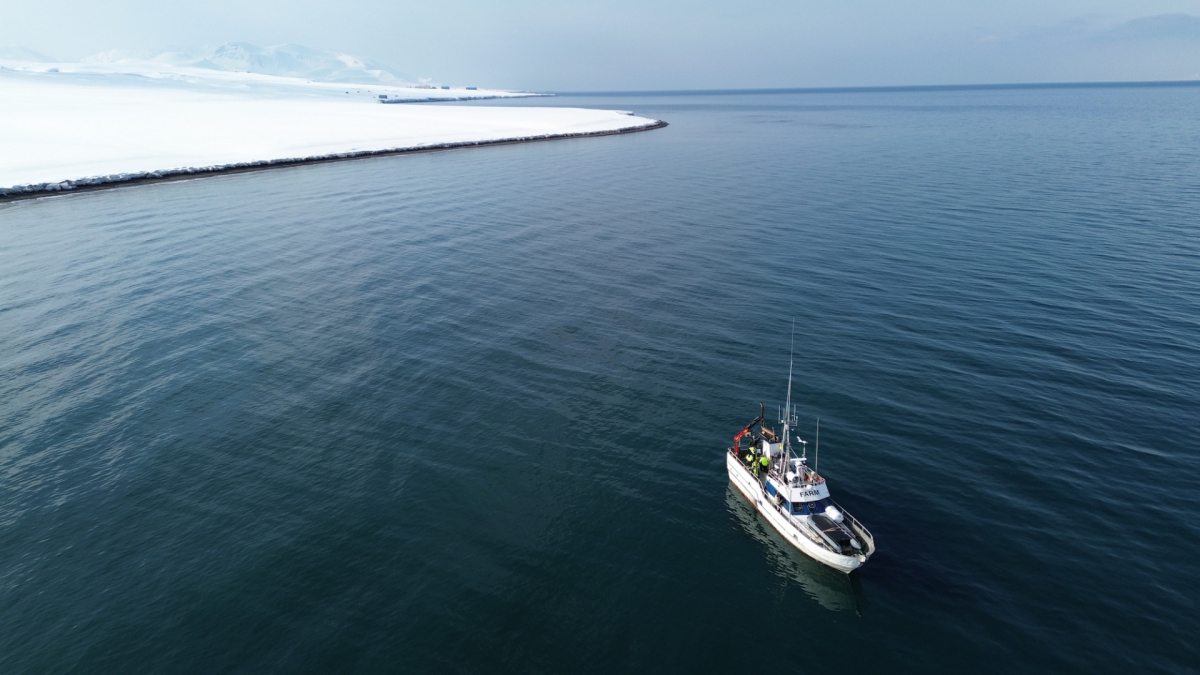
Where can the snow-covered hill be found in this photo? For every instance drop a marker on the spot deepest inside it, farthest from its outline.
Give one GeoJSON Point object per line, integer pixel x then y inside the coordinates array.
{"type": "Point", "coordinates": [17, 53]}
{"type": "Point", "coordinates": [287, 60]}
{"type": "Point", "coordinates": [289, 70]}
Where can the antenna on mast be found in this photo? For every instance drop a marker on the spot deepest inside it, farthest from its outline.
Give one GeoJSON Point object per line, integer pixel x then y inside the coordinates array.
{"type": "Point", "coordinates": [791, 354]}
{"type": "Point", "coordinates": [817, 459]}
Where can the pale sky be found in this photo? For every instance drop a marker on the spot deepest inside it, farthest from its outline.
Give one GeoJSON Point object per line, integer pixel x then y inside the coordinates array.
{"type": "Point", "coordinates": [663, 44]}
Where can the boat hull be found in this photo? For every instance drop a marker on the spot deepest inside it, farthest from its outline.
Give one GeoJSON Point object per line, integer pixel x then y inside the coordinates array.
{"type": "Point", "coordinates": [752, 490]}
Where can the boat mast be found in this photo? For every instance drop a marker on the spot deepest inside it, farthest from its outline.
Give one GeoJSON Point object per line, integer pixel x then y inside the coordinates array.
{"type": "Point", "coordinates": [787, 408]}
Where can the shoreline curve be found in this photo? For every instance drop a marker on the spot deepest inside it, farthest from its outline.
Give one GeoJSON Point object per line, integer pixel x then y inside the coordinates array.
{"type": "Point", "coordinates": [39, 190]}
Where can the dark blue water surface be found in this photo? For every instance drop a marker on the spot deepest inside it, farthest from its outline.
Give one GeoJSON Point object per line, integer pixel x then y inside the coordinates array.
{"type": "Point", "coordinates": [466, 411]}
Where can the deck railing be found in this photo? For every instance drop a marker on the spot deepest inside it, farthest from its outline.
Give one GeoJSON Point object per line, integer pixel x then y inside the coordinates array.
{"type": "Point", "coordinates": [862, 531]}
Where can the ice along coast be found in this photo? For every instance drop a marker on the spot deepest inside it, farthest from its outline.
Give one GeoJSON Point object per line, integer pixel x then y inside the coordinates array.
{"type": "Point", "coordinates": [84, 128]}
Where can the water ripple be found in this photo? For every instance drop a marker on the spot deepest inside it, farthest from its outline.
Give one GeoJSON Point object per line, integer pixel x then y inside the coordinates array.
{"type": "Point", "coordinates": [465, 411]}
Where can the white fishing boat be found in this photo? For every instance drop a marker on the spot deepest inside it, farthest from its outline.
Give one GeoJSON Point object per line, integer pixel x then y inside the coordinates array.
{"type": "Point", "coordinates": [792, 496]}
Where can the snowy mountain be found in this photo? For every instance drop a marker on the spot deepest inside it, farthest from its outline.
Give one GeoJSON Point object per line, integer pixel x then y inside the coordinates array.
{"type": "Point", "coordinates": [299, 61]}
{"type": "Point", "coordinates": [286, 60]}
{"type": "Point", "coordinates": [17, 53]}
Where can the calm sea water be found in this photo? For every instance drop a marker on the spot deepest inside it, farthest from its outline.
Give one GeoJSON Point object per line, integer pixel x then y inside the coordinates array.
{"type": "Point", "coordinates": [466, 411]}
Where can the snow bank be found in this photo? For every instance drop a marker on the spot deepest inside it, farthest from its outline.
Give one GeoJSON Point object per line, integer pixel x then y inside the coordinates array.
{"type": "Point", "coordinates": [64, 129]}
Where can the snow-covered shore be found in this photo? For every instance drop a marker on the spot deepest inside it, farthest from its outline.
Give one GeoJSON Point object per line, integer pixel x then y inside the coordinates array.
{"type": "Point", "coordinates": [66, 126]}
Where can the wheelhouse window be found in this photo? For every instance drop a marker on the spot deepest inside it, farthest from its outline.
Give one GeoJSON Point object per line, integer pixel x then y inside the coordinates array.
{"type": "Point", "coordinates": [809, 508]}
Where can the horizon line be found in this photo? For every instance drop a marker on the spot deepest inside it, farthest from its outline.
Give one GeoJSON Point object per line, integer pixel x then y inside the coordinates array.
{"type": "Point", "coordinates": [886, 88]}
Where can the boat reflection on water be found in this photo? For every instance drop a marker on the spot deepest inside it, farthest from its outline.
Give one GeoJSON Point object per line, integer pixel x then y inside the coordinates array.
{"type": "Point", "coordinates": [831, 589]}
